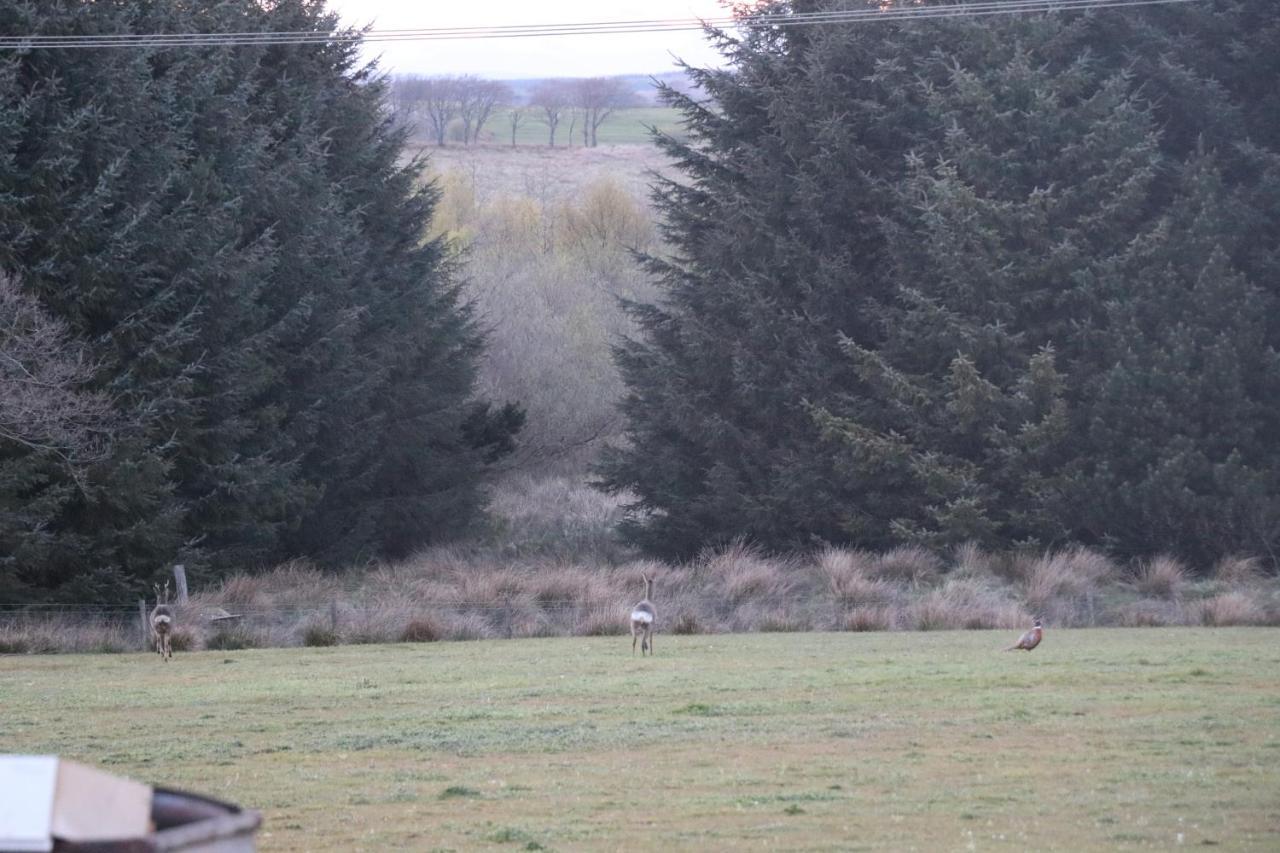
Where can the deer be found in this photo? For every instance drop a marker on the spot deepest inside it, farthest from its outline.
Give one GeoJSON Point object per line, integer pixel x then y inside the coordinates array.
{"type": "Point", "coordinates": [162, 623]}
{"type": "Point", "coordinates": [642, 618]}
{"type": "Point", "coordinates": [1029, 640]}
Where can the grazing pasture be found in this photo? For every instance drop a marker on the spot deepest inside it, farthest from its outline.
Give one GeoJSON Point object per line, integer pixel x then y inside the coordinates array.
{"type": "Point", "coordinates": [1100, 739]}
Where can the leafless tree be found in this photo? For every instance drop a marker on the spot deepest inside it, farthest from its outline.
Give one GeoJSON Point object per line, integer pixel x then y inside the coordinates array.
{"type": "Point", "coordinates": [476, 101]}
{"type": "Point", "coordinates": [403, 97]}
{"type": "Point", "coordinates": [551, 97]}
{"type": "Point", "coordinates": [515, 115]}
{"type": "Point", "coordinates": [597, 98]}
{"type": "Point", "coordinates": [43, 369]}
{"type": "Point", "coordinates": [439, 101]}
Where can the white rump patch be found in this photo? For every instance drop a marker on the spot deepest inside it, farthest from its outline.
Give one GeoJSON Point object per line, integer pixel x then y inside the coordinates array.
{"type": "Point", "coordinates": [641, 616]}
{"type": "Point", "coordinates": [162, 619]}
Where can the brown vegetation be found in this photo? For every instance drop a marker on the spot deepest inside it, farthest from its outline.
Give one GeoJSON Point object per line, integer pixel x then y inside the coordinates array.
{"type": "Point", "coordinates": [553, 567]}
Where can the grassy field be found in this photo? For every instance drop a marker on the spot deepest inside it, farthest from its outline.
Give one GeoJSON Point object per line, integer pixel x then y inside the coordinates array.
{"type": "Point", "coordinates": [622, 127]}
{"type": "Point", "coordinates": [1101, 739]}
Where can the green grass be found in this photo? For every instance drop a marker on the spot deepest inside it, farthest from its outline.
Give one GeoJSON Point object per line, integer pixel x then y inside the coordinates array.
{"type": "Point", "coordinates": [1100, 739]}
{"type": "Point", "coordinates": [622, 127]}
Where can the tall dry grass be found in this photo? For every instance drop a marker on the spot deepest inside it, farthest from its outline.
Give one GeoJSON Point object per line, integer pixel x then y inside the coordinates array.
{"type": "Point", "coordinates": [465, 594]}
{"type": "Point", "coordinates": [553, 567]}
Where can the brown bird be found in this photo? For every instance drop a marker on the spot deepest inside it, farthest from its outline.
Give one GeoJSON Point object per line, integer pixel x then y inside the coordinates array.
{"type": "Point", "coordinates": [1029, 640]}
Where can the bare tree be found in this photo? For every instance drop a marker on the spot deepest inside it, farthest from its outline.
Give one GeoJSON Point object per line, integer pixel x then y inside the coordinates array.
{"type": "Point", "coordinates": [515, 115]}
{"type": "Point", "coordinates": [439, 102]}
{"type": "Point", "coordinates": [402, 99]}
{"type": "Point", "coordinates": [478, 102]}
{"type": "Point", "coordinates": [597, 98]}
{"type": "Point", "coordinates": [42, 373]}
{"type": "Point", "coordinates": [551, 97]}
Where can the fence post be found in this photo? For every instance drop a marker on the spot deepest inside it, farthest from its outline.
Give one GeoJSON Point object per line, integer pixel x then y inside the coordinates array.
{"type": "Point", "coordinates": [146, 627]}
{"type": "Point", "coordinates": [180, 577]}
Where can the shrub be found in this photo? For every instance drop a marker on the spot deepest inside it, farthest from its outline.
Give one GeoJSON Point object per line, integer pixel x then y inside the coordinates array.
{"type": "Point", "coordinates": [685, 622]}
{"type": "Point", "coordinates": [602, 622]}
{"type": "Point", "coordinates": [316, 634]}
{"type": "Point", "coordinates": [908, 564]}
{"type": "Point", "coordinates": [971, 560]}
{"type": "Point", "coordinates": [182, 639]}
{"type": "Point", "coordinates": [847, 576]}
{"type": "Point", "coordinates": [869, 619]}
{"type": "Point", "coordinates": [1161, 577]}
{"type": "Point", "coordinates": [231, 639]}
{"type": "Point", "coordinates": [468, 626]}
{"type": "Point", "coordinates": [965, 603]}
{"type": "Point", "coordinates": [1234, 571]}
{"type": "Point", "coordinates": [421, 629]}
{"type": "Point", "coordinates": [780, 623]}
{"type": "Point", "coordinates": [1231, 608]}
{"type": "Point", "coordinates": [1144, 614]}
{"type": "Point", "coordinates": [1060, 585]}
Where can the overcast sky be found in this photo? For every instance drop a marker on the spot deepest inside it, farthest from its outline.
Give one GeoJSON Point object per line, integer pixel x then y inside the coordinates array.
{"type": "Point", "coordinates": [560, 56]}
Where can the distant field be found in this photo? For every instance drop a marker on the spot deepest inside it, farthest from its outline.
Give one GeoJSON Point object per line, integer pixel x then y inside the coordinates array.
{"type": "Point", "coordinates": [623, 127]}
{"type": "Point", "coordinates": [1099, 740]}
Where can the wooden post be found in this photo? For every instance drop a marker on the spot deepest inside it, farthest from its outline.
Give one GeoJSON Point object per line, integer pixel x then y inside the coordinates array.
{"type": "Point", "coordinates": [180, 578]}
{"type": "Point", "coordinates": [146, 624]}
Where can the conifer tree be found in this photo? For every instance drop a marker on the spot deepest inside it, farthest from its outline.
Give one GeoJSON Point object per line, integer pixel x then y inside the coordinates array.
{"type": "Point", "coordinates": [234, 234]}
{"type": "Point", "coordinates": [1008, 279]}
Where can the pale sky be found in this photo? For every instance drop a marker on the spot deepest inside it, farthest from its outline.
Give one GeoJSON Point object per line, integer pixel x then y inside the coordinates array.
{"type": "Point", "coordinates": [558, 56]}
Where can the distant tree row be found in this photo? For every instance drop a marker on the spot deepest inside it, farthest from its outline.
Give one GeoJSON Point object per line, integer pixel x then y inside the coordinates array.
{"type": "Point", "coordinates": [223, 337]}
{"type": "Point", "coordinates": [1013, 280]}
{"type": "Point", "coordinates": [459, 107]}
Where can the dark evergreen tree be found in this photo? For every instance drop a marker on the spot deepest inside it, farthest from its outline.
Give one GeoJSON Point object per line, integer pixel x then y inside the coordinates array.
{"type": "Point", "coordinates": [1038, 168]}
{"type": "Point", "coordinates": [999, 278]}
{"type": "Point", "coordinates": [233, 231]}
{"type": "Point", "coordinates": [789, 169]}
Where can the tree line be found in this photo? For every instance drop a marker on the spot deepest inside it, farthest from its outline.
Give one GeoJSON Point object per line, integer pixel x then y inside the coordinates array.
{"type": "Point", "coordinates": [224, 337]}
{"type": "Point", "coordinates": [450, 108]}
{"type": "Point", "coordinates": [1010, 280]}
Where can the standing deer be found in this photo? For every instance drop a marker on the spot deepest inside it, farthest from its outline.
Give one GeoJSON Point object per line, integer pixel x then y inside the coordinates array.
{"type": "Point", "coordinates": [162, 623]}
{"type": "Point", "coordinates": [642, 617]}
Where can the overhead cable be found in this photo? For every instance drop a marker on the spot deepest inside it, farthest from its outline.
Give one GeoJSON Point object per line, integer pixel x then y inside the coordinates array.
{"type": "Point", "coordinates": [749, 22]}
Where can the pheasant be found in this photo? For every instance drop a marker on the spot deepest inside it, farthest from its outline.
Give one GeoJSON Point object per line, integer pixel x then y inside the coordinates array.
{"type": "Point", "coordinates": [1029, 640]}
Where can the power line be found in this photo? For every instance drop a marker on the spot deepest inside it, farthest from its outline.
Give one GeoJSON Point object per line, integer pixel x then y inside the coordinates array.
{"type": "Point", "coordinates": [849, 16]}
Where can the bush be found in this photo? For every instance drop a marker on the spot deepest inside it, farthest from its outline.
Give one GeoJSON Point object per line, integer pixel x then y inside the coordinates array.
{"type": "Point", "coordinates": [421, 629]}
{"type": "Point", "coordinates": [231, 639]}
{"type": "Point", "coordinates": [316, 634]}
{"type": "Point", "coordinates": [686, 622]}
{"type": "Point", "coordinates": [1161, 577]}
{"type": "Point", "coordinates": [14, 646]}
{"type": "Point", "coordinates": [182, 639]}
{"type": "Point", "coordinates": [1234, 571]}
{"type": "Point", "coordinates": [603, 622]}
{"type": "Point", "coordinates": [1231, 608]}
{"type": "Point", "coordinates": [869, 619]}
{"type": "Point", "coordinates": [908, 564]}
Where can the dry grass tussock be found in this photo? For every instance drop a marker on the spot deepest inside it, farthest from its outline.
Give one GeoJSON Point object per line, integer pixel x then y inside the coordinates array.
{"type": "Point", "coordinates": [487, 591]}
{"type": "Point", "coordinates": [1062, 587]}
{"type": "Point", "coordinates": [1161, 577]}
